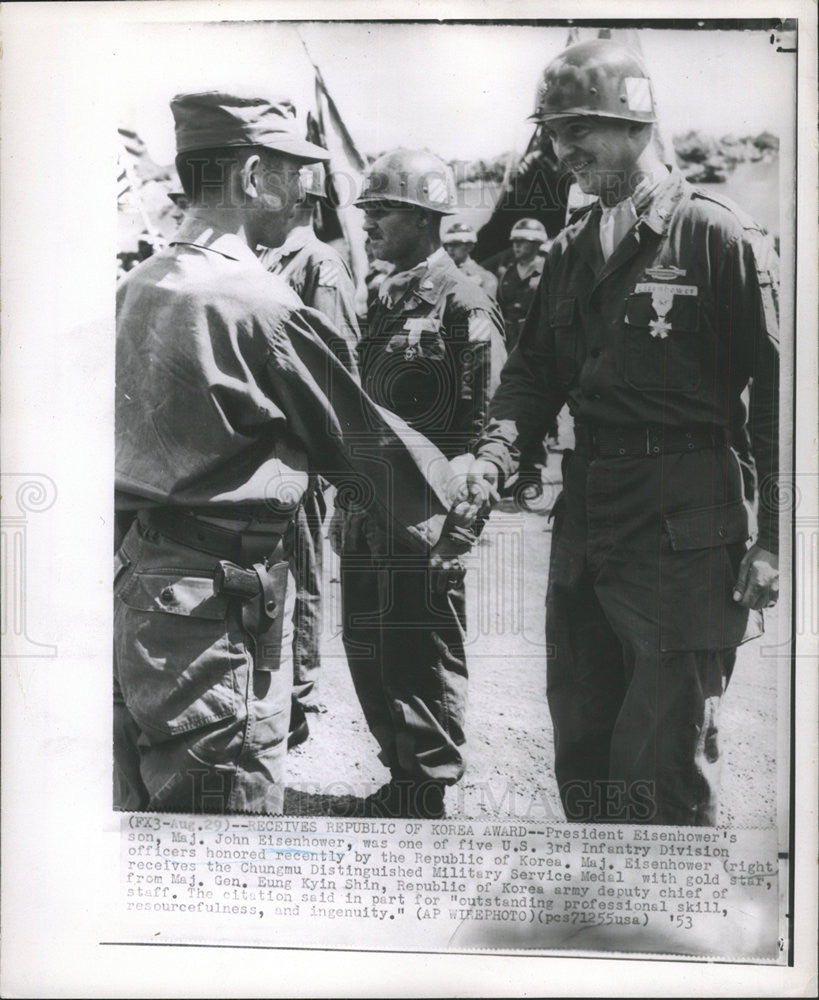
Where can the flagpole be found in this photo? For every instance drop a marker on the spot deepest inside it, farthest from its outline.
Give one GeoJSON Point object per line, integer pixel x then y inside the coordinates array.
{"type": "Point", "coordinates": [349, 217]}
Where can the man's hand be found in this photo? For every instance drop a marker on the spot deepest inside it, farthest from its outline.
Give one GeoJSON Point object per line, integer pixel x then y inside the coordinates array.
{"type": "Point", "coordinates": [445, 567]}
{"type": "Point", "coordinates": [482, 481]}
{"type": "Point", "coordinates": [757, 583]}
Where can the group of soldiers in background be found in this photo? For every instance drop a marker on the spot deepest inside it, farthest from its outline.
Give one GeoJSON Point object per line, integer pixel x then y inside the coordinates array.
{"type": "Point", "coordinates": [239, 397]}
{"type": "Point", "coordinates": [512, 285]}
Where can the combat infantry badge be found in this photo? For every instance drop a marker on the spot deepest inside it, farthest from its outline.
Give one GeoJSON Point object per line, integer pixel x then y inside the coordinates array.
{"type": "Point", "coordinates": [666, 272]}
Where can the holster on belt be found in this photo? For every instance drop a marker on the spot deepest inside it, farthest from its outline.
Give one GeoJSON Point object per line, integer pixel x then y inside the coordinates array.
{"type": "Point", "coordinates": [262, 591]}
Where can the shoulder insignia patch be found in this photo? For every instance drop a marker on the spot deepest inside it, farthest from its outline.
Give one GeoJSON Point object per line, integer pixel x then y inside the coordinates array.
{"type": "Point", "coordinates": [480, 327]}
{"type": "Point", "coordinates": [331, 271]}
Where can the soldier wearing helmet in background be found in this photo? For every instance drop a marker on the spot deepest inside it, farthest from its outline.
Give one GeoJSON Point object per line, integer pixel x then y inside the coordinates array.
{"type": "Point", "coordinates": [458, 242]}
{"type": "Point", "coordinates": [431, 340]}
{"type": "Point", "coordinates": [655, 311]}
{"type": "Point", "coordinates": [321, 279]}
{"type": "Point", "coordinates": [518, 282]}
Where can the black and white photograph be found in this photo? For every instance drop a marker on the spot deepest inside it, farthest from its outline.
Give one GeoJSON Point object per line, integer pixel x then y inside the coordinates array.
{"type": "Point", "coordinates": [448, 393]}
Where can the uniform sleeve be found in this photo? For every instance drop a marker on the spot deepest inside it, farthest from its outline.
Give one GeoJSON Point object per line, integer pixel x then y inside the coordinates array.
{"type": "Point", "coordinates": [529, 396]}
{"type": "Point", "coordinates": [334, 295]}
{"type": "Point", "coordinates": [751, 273]}
{"type": "Point", "coordinates": [350, 441]}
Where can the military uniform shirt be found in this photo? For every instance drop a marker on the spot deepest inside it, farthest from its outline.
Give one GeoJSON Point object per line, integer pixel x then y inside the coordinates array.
{"type": "Point", "coordinates": [432, 344]}
{"type": "Point", "coordinates": [485, 279]}
{"type": "Point", "coordinates": [515, 294]}
{"type": "Point", "coordinates": [319, 276]}
{"type": "Point", "coordinates": [666, 333]}
{"type": "Point", "coordinates": [227, 394]}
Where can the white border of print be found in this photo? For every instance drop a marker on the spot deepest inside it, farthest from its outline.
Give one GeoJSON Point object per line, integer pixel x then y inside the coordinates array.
{"type": "Point", "coordinates": [60, 863]}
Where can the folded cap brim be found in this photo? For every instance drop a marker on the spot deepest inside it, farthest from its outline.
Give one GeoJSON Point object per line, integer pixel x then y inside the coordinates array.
{"type": "Point", "coordinates": [299, 149]}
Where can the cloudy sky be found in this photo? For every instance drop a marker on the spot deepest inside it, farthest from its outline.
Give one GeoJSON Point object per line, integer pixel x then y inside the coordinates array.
{"type": "Point", "coordinates": [463, 90]}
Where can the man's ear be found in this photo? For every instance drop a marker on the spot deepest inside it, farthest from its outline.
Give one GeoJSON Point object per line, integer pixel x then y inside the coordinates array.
{"type": "Point", "coordinates": [250, 176]}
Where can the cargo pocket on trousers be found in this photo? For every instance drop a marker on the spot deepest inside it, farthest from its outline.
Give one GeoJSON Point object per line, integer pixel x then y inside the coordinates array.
{"type": "Point", "coordinates": [699, 560]}
{"type": "Point", "coordinates": [662, 358]}
{"type": "Point", "coordinates": [174, 656]}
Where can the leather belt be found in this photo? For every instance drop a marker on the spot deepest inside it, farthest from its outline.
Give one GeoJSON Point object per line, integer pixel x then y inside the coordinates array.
{"type": "Point", "coordinates": [597, 441]}
{"type": "Point", "coordinates": [243, 547]}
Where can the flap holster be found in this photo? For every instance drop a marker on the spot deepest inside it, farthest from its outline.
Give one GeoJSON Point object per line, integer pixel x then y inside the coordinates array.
{"type": "Point", "coordinates": [262, 591]}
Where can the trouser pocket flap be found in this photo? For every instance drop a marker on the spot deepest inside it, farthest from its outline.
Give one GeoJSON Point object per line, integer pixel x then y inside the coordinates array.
{"type": "Point", "coordinates": [707, 527]}
{"type": "Point", "coordinates": [174, 594]}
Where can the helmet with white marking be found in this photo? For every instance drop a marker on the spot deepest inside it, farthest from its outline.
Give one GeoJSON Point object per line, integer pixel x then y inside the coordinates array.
{"type": "Point", "coordinates": [410, 177]}
{"type": "Point", "coordinates": [529, 229]}
{"type": "Point", "coordinates": [598, 78]}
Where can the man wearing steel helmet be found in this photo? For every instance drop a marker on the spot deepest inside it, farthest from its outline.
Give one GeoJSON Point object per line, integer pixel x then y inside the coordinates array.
{"type": "Point", "coordinates": [458, 242]}
{"type": "Point", "coordinates": [655, 311]}
{"type": "Point", "coordinates": [228, 394]}
{"type": "Point", "coordinates": [431, 338]}
{"type": "Point", "coordinates": [519, 281]}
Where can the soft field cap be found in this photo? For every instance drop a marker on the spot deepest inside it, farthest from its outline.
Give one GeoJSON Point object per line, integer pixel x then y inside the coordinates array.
{"type": "Point", "coordinates": [213, 119]}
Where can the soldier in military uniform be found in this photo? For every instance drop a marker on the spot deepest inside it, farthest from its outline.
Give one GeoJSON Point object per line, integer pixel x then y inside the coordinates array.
{"type": "Point", "coordinates": [180, 205]}
{"type": "Point", "coordinates": [518, 282]}
{"type": "Point", "coordinates": [228, 395]}
{"type": "Point", "coordinates": [655, 311]}
{"type": "Point", "coordinates": [321, 279]}
{"type": "Point", "coordinates": [313, 269]}
{"type": "Point", "coordinates": [431, 340]}
{"type": "Point", "coordinates": [459, 241]}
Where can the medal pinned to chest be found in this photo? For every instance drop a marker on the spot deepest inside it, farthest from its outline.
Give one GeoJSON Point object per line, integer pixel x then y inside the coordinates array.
{"type": "Point", "coordinates": [414, 330]}
{"type": "Point", "coordinates": [420, 337]}
{"type": "Point", "coordinates": [663, 294]}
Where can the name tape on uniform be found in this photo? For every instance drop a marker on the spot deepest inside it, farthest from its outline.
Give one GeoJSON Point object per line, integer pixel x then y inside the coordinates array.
{"type": "Point", "coordinates": [654, 287]}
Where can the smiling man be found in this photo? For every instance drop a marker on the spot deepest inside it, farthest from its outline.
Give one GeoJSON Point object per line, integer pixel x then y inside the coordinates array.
{"type": "Point", "coordinates": [656, 310]}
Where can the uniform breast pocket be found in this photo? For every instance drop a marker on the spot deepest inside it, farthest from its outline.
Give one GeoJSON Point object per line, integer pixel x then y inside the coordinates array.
{"type": "Point", "coordinates": [564, 320]}
{"type": "Point", "coordinates": [174, 656]}
{"type": "Point", "coordinates": [662, 355]}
